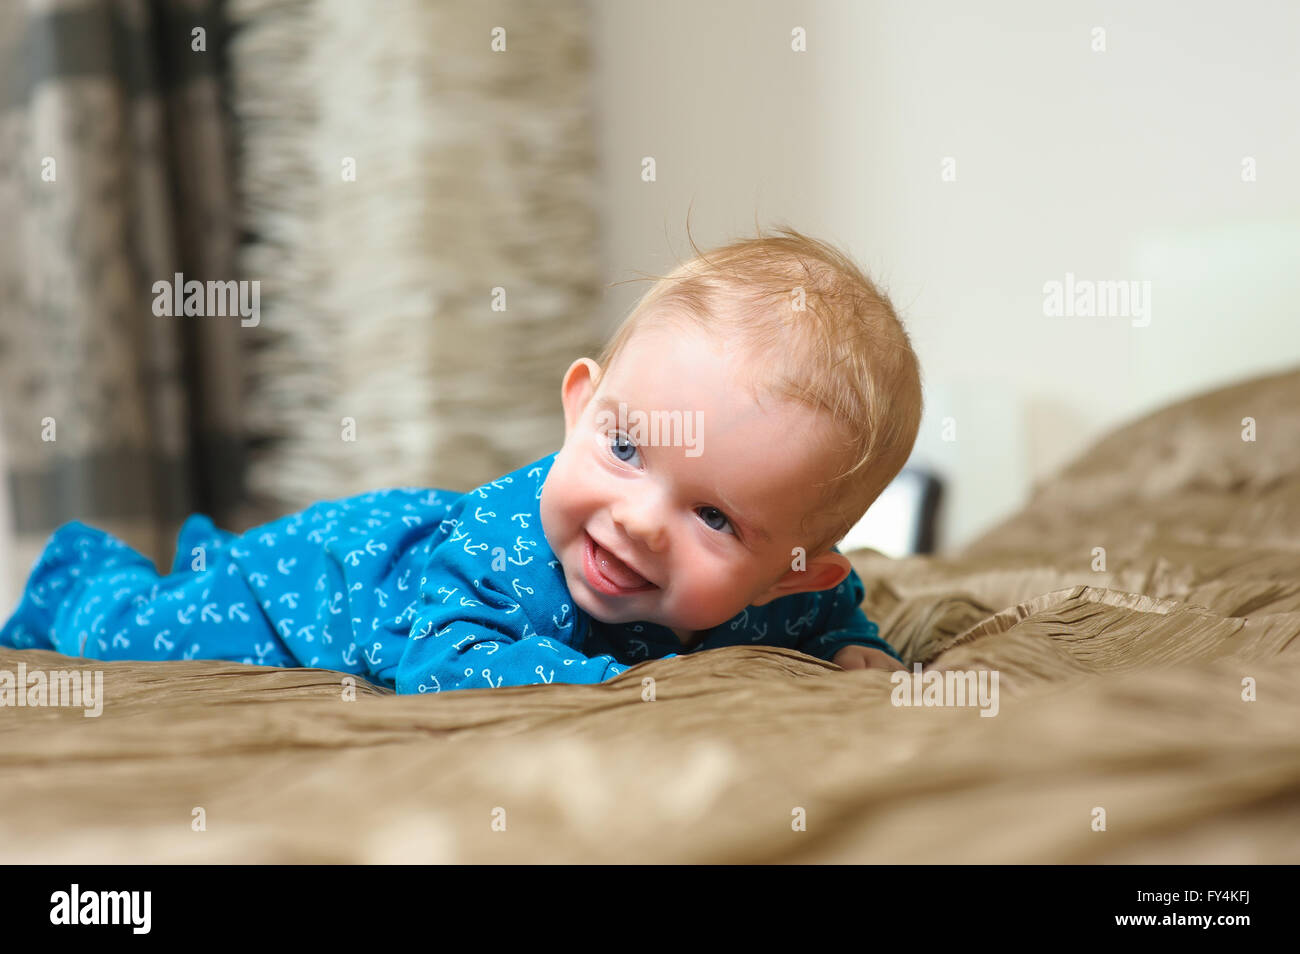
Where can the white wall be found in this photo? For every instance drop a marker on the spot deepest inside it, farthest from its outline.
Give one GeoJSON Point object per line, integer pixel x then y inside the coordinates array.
{"type": "Point", "coordinates": [1117, 165]}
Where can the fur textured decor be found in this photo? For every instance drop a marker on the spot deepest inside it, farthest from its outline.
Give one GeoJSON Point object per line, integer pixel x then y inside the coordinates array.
{"type": "Point", "coordinates": [398, 176]}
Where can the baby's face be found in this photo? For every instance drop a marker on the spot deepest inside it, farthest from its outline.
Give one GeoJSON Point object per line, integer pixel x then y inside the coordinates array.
{"type": "Point", "coordinates": [684, 536]}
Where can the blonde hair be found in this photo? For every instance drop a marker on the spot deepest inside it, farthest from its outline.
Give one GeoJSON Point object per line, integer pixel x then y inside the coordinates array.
{"type": "Point", "coordinates": [844, 353]}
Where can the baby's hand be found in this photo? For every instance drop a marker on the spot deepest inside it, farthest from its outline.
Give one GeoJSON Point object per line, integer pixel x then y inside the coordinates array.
{"type": "Point", "coordinates": [861, 657]}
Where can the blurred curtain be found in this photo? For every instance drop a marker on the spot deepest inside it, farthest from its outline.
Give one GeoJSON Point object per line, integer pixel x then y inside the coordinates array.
{"type": "Point", "coordinates": [116, 175]}
{"type": "Point", "coordinates": [418, 181]}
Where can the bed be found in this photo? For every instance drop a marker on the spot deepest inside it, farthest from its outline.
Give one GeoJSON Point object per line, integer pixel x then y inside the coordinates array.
{"type": "Point", "coordinates": [1141, 612]}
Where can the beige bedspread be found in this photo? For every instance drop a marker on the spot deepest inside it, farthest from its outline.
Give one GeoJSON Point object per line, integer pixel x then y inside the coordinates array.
{"type": "Point", "coordinates": [1131, 610]}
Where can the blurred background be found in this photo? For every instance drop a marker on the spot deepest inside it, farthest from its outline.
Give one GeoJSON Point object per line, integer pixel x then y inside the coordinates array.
{"type": "Point", "coordinates": [382, 169]}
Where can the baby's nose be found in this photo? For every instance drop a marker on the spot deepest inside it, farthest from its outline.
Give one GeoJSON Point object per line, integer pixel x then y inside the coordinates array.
{"type": "Point", "coordinates": [642, 524]}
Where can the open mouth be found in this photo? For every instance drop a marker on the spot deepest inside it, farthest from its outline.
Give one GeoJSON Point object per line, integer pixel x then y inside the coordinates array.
{"type": "Point", "coordinates": [607, 573]}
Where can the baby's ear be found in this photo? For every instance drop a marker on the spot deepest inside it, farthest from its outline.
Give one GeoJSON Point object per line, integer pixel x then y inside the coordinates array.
{"type": "Point", "coordinates": [823, 572]}
{"type": "Point", "coordinates": [578, 386]}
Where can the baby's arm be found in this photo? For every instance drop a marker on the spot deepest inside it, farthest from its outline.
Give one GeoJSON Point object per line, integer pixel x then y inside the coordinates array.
{"type": "Point", "coordinates": [842, 633]}
{"type": "Point", "coordinates": [468, 635]}
{"type": "Point", "coordinates": [465, 655]}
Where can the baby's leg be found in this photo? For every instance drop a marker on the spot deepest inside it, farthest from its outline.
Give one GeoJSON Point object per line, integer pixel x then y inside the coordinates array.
{"type": "Point", "coordinates": [92, 596]}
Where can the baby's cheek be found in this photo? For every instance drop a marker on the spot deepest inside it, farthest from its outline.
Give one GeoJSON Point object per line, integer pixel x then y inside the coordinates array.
{"type": "Point", "coordinates": [708, 604]}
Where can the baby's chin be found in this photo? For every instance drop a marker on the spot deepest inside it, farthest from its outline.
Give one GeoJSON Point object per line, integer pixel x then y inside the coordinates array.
{"type": "Point", "coordinates": [598, 612]}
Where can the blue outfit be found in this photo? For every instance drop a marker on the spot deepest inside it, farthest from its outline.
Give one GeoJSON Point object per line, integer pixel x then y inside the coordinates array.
{"type": "Point", "coordinates": [415, 589]}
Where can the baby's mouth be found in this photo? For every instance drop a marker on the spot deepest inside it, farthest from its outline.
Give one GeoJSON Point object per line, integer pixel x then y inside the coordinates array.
{"type": "Point", "coordinates": [607, 573]}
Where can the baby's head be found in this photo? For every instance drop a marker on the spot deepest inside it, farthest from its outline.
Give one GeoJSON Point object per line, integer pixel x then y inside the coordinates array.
{"type": "Point", "coordinates": [799, 400]}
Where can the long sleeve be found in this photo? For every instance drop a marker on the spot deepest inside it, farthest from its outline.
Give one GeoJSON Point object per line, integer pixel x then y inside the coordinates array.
{"type": "Point", "coordinates": [841, 622]}
{"type": "Point", "coordinates": [467, 634]}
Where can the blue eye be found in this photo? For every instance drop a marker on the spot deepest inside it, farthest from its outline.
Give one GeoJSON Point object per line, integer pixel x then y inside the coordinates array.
{"type": "Point", "coordinates": [619, 445]}
{"type": "Point", "coordinates": [721, 515]}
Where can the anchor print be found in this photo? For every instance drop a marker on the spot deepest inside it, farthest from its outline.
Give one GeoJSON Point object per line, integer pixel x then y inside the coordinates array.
{"type": "Point", "coordinates": [520, 545]}
{"type": "Point", "coordinates": [793, 628]}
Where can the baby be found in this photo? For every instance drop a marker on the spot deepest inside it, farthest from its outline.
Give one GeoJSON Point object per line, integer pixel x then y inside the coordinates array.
{"type": "Point", "coordinates": [632, 542]}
